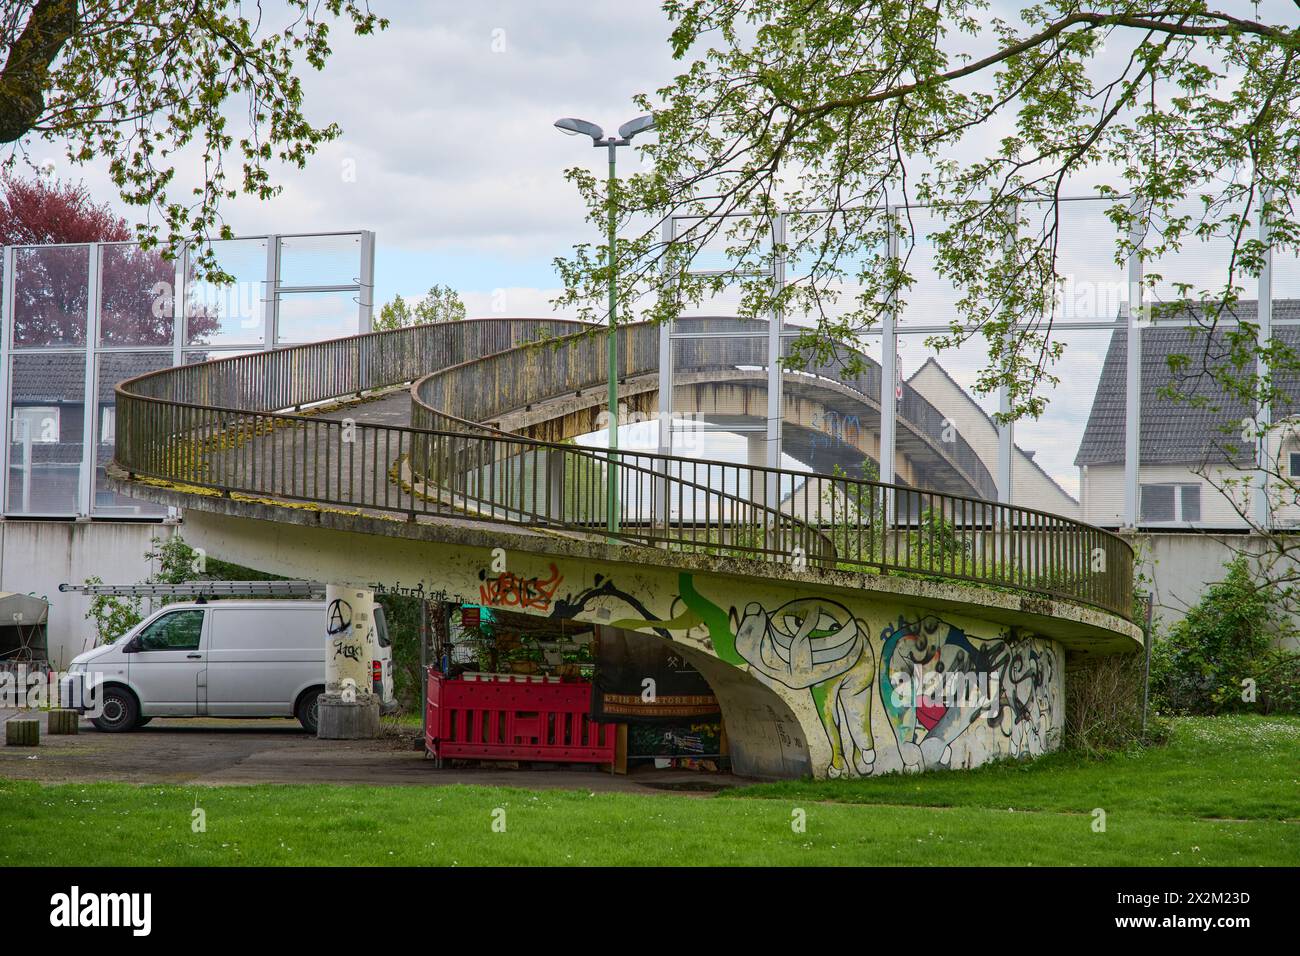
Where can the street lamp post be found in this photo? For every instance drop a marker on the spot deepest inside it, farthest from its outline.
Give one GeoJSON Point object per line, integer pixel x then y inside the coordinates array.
{"type": "Point", "coordinates": [611, 143]}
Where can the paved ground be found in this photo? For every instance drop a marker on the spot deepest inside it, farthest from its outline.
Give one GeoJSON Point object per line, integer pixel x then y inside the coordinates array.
{"type": "Point", "coordinates": [219, 752]}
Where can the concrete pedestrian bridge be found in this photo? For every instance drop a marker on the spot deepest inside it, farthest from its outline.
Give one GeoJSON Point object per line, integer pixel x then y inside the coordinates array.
{"type": "Point", "coordinates": [831, 419]}
{"type": "Point", "coordinates": [819, 606]}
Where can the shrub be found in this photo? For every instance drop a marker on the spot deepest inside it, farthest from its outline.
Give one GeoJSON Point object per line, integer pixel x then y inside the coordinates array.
{"type": "Point", "coordinates": [402, 612]}
{"type": "Point", "coordinates": [1278, 683]}
{"type": "Point", "coordinates": [112, 616]}
{"type": "Point", "coordinates": [1103, 705]}
{"type": "Point", "coordinates": [1225, 640]}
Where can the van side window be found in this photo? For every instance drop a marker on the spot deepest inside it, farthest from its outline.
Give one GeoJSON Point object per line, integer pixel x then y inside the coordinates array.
{"type": "Point", "coordinates": [178, 631]}
{"type": "Point", "coordinates": [381, 627]}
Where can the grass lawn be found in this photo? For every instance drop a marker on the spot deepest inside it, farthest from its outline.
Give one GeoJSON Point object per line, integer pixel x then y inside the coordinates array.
{"type": "Point", "coordinates": [1232, 768]}
{"type": "Point", "coordinates": [1225, 792]}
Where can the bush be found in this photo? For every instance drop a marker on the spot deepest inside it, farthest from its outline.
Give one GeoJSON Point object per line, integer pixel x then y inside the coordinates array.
{"type": "Point", "coordinates": [112, 616]}
{"type": "Point", "coordinates": [1103, 705]}
{"type": "Point", "coordinates": [1278, 684]}
{"type": "Point", "coordinates": [402, 612]}
{"type": "Point", "coordinates": [1224, 643]}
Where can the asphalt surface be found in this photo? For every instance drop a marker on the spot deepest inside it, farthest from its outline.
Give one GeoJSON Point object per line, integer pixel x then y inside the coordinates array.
{"type": "Point", "coordinates": [216, 752]}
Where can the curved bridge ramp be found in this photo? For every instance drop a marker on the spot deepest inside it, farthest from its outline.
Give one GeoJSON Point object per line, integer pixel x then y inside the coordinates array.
{"type": "Point", "coordinates": [832, 415]}
{"type": "Point", "coordinates": [814, 604]}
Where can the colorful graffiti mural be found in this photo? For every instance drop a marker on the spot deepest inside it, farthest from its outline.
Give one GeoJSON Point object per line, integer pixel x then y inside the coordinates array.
{"type": "Point", "coordinates": [818, 645]}
{"type": "Point", "coordinates": [1011, 688]}
{"type": "Point", "coordinates": [946, 697]}
{"type": "Point", "coordinates": [937, 682]}
{"type": "Point", "coordinates": [509, 590]}
{"type": "Point", "coordinates": [808, 645]}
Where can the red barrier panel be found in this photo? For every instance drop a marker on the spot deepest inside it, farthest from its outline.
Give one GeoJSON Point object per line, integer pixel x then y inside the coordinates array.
{"type": "Point", "coordinates": [507, 720]}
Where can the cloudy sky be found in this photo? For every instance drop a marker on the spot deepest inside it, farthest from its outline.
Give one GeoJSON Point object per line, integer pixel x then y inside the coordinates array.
{"type": "Point", "coordinates": [448, 150]}
{"type": "Point", "coordinates": [450, 156]}
{"type": "Point", "coordinates": [447, 120]}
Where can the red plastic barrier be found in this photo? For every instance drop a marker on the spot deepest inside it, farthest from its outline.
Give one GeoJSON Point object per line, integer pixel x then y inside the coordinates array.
{"type": "Point", "coordinates": [507, 720]}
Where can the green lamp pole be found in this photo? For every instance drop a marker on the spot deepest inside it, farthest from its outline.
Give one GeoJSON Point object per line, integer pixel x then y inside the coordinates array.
{"type": "Point", "coordinates": [611, 143]}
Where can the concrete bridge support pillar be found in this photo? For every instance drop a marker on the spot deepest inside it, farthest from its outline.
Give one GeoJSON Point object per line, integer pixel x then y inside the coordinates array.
{"type": "Point", "coordinates": [348, 710]}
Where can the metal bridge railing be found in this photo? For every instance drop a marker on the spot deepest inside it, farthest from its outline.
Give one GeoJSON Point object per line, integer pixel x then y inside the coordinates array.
{"type": "Point", "coordinates": [222, 426]}
{"type": "Point", "coordinates": [483, 390]}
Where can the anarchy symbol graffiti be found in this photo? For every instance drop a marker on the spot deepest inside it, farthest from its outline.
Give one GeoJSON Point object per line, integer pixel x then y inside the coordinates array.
{"type": "Point", "coordinates": [338, 617]}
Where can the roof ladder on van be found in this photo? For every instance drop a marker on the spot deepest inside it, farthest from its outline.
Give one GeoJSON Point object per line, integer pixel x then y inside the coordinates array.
{"type": "Point", "coordinates": [203, 589]}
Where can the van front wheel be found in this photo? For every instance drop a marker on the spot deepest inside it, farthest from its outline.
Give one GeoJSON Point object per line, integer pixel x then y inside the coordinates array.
{"type": "Point", "coordinates": [119, 711]}
{"type": "Point", "coordinates": [308, 708]}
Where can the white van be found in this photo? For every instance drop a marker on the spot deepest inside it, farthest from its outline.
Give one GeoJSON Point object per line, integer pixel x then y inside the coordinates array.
{"type": "Point", "coordinates": [226, 658]}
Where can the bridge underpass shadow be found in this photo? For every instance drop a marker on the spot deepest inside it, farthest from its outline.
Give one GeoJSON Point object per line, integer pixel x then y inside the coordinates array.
{"type": "Point", "coordinates": [764, 738]}
{"type": "Point", "coordinates": [670, 695]}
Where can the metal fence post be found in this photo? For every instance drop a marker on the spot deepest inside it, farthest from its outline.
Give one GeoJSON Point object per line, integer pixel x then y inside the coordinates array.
{"type": "Point", "coordinates": [90, 423]}
{"type": "Point", "coordinates": [775, 389]}
{"type": "Point", "coordinates": [660, 502]}
{"type": "Point", "coordinates": [366, 294]}
{"type": "Point", "coordinates": [889, 376]}
{"type": "Point", "coordinates": [1006, 430]}
{"type": "Point", "coordinates": [1263, 511]}
{"type": "Point", "coordinates": [1133, 374]}
{"type": "Point", "coordinates": [6, 358]}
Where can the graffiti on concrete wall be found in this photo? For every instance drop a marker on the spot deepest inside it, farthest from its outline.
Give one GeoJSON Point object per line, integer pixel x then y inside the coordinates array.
{"type": "Point", "coordinates": [833, 428]}
{"type": "Point", "coordinates": [509, 590]}
{"type": "Point", "coordinates": [808, 645]}
{"type": "Point", "coordinates": [541, 594]}
{"type": "Point", "coordinates": [1032, 712]}
{"type": "Point", "coordinates": [937, 682]}
{"type": "Point", "coordinates": [818, 645]}
{"type": "Point", "coordinates": [945, 697]}
{"type": "Point", "coordinates": [940, 688]}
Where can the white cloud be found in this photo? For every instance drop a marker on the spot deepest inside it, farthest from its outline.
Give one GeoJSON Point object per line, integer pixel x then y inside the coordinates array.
{"type": "Point", "coordinates": [515, 302]}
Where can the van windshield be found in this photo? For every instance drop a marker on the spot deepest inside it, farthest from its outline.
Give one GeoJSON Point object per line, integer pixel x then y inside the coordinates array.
{"type": "Point", "coordinates": [381, 627]}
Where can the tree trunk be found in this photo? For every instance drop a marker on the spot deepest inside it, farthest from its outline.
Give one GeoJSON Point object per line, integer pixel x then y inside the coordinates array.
{"type": "Point", "coordinates": [26, 75]}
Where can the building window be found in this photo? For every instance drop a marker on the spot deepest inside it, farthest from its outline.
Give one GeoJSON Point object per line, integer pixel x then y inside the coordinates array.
{"type": "Point", "coordinates": [1171, 502]}
{"type": "Point", "coordinates": [40, 423]}
{"type": "Point", "coordinates": [1157, 503]}
{"type": "Point", "coordinates": [1295, 464]}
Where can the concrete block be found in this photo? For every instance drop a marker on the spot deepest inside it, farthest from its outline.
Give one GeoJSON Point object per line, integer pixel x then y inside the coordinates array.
{"type": "Point", "coordinates": [63, 721]}
{"type": "Point", "coordinates": [22, 732]}
{"type": "Point", "coordinates": [347, 720]}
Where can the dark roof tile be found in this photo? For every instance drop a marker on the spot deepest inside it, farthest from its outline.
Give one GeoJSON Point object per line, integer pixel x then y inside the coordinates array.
{"type": "Point", "coordinates": [1175, 430]}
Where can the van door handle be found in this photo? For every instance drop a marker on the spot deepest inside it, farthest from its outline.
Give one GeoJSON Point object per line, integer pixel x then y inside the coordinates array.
{"type": "Point", "coordinates": [194, 656]}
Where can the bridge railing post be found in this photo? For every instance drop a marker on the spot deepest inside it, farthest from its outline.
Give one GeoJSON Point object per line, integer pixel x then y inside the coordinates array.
{"type": "Point", "coordinates": [555, 472]}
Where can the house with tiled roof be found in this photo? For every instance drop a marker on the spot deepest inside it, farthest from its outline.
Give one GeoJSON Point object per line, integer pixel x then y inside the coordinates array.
{"type": "Point", "coordinates": [1190, 447]}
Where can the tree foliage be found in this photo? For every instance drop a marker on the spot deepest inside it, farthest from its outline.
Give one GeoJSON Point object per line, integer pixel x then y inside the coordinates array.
{"type": "Point", "coordinates": [440, 304]}
{"type": "Point", "coordinates": [832, 112]}
{"type": "Point", "coordinates": [1226, 639]}
{"type": "Point", "coordinates": [112, 616]}
{"type": "Point", "coordinates": [51, 293]}
{"type": "Point", "coordinates": [144, 85]}
{"type": "Point", "coordinates": [47, 210]}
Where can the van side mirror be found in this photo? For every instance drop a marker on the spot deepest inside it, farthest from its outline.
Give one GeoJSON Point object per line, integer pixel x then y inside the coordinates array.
{"type": "Point", "coordinates": [131, 646]}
